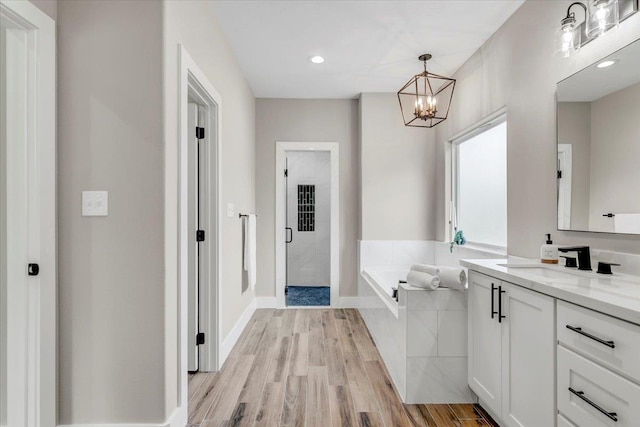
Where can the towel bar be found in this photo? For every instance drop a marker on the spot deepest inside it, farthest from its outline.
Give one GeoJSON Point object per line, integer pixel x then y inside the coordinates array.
{"type": "Point", "coordinates": [244, 215]}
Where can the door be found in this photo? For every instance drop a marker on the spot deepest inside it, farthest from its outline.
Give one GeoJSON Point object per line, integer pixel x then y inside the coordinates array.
{"type": "Point", "coordinates": [196, 236]}
{"type": "Point", "coordinates": [564, 186]}
{"type": "Point", "coordinates": [485, 340]}
{"type": "Point", "coordinates": [13, 227]}
{"type": "Point", "coordinates": [27, 217]}
{"type": "Point", "coordinates": [288, 230]}
{"type": "Point", "coordinates": [528, 358]}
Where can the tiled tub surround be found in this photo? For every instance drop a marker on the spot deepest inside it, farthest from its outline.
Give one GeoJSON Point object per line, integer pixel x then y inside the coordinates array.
{"type": "Point", "coordinates": [422, 337]}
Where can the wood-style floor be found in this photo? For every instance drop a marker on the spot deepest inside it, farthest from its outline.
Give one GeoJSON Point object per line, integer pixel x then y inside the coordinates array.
{"type": "Point", "coordinates": [311, 368]}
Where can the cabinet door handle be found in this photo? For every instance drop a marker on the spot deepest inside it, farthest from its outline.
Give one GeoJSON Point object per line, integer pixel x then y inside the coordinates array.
{"type": "Point", "coordinates": [493, 303]}
{"type": "Point", "coordinates": [579, 330]}
{"type": "Point", "coordinates": [500, 316]}
{"type": "Point", "coordinates": [611, 415]}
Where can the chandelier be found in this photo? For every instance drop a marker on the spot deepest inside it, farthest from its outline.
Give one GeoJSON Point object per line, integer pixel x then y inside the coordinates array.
{"type": "Point", "coordinates": [426, 98]}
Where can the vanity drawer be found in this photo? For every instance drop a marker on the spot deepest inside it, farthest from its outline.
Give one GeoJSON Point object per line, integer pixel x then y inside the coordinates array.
{"type": "Point", "coordinates": [605, 332]}
{"type": "Point", "coordinates": [599, 387]}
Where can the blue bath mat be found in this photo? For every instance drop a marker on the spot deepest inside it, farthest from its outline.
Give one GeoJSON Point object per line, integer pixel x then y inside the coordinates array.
{"type": "Point", "coordinates": [308, 295]}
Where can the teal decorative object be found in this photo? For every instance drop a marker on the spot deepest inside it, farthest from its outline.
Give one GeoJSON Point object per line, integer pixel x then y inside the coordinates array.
{"type": "Point", "coordinates": [458, 239]}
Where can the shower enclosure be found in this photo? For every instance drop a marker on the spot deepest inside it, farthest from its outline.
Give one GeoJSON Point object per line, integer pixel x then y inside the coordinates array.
{"type": "Point", "coordinates": [308, 225]}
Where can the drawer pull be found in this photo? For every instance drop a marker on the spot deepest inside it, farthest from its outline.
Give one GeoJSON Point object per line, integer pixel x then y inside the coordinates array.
{"type": "Point", "coordinates": [611, 415]}
{"type": "Point", "coordinates": [577, 330]}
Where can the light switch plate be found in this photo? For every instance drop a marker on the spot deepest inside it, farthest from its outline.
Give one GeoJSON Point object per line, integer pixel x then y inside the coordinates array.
{"type": "Point", "coordinates": [95, 203]}
{"type": "Point", "coordinates": [230, 210]}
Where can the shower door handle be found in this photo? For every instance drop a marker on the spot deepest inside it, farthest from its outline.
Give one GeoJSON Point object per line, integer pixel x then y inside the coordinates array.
{"type": "Point", "coordinates": [291, 238]}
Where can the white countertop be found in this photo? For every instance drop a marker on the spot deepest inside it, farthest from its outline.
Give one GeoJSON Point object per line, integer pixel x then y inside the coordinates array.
{"type": "Point", "coordinates": [617, 295]}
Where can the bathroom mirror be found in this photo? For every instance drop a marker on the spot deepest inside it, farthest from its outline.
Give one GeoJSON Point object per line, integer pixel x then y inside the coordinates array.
{"type": "Point", "coordinates": [598, 112]}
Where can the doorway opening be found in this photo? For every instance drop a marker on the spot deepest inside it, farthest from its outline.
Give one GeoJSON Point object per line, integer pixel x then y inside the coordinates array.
{"type": "Point", "coordinates": [199, 225]}
{"type": "Point", "coordinates": [307, 214]}
{"type": "Point", "coordinates": [308, 221]}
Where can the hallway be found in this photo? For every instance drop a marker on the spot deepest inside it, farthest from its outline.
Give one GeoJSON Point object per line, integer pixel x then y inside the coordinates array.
{"type": "Point", "coordinates": [314, 367]}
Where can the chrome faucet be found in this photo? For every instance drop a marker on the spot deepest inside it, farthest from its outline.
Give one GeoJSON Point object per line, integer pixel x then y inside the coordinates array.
{"type": "Point", "coordinates": [584, 256]}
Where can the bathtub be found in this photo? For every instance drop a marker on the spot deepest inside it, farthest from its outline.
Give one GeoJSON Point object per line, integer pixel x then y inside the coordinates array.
{"type": "Point", "coordinates": [422, 337]}
{"type": "Point", "coordinates": [382, 281]}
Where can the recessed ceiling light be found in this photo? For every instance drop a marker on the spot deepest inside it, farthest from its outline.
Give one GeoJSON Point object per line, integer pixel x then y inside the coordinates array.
{"type": "Point", "coordinates": [317, 59]}
{"type": "Point", "coordinates": [605, 64]}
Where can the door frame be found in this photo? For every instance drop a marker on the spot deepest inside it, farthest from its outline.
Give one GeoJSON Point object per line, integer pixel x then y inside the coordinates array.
{"type": "Point", "coordinates": [280, 199]}
{"type": "Point", "coordinates": [36, 353]}
{"type": "Point", "coordinates": [196, 86]}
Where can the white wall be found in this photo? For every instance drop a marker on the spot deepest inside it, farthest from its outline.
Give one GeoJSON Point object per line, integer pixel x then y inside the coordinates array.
{"type": "Point", "coordinates": [308, 254]}
{"type": "Point", "coordinates": [301, 120]}
{"type": "Point", "coordinates": [194, 25]}
{"type": "Point", "coordinates": [111, 269]}
{"type": "Point", "coordinates": [615, 150]}
{"type": "Point", "coordinates": [516, 68]}
{"type": "Point", "coordinates": [574, 127]}
{"type": "Point", "coordinates": [398, 167]}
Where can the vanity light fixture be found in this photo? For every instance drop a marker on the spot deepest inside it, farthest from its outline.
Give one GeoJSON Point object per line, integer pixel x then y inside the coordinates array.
{"type": "Point", "coordinates": [603, 16]}
{"type": "Point", "coordinates": [600, 16]}
{"type": "Point", "coordinates": [569, 35]}
{"type": "Point", "coordinates": [426, 98]}
{"type": "Point", "coordinates": [316, 59]}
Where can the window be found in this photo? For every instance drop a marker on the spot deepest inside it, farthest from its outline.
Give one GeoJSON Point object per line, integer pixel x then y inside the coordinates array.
{"type": "Point", "coordinates": [480, 184]}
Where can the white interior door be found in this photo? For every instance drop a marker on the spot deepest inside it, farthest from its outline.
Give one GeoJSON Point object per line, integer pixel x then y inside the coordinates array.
{"type": "Point", "coordinates": [193, 220]}
{"type": "Point", "coordinates": [27, 216]}
{"type": "Point", "coordinates": [13, 230]}
{"type": "Point", "coordinates": [564, 186]}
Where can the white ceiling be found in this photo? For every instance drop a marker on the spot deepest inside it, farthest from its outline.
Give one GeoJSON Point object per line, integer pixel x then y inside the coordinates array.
{"type": "Point", "coordinates": [593, 83]}
{"type": "Point", "coordinates": [369, 46]}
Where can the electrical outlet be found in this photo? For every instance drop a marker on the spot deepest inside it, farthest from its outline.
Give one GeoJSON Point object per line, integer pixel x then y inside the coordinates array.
{"type": "Point", "coordinates": [230, 210]}
{"type": "Point", "coordinates": [95, 203]}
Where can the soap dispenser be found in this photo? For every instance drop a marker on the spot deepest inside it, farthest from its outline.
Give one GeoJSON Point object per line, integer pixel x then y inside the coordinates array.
{"type": "Point", "coordinates": [549, 252]}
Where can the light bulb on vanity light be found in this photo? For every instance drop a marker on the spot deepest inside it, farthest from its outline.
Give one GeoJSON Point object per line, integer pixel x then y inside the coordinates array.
{"type": "Point", "coordinates": [603, 16]}
{"type": "Point", "coordinates": [568, 36]}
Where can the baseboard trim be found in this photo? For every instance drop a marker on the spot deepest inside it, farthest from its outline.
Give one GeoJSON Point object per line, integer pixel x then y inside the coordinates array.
{"type": "Point", "coordinates": [266, 302]}
{"type": "Point", "coordinates": [177, 419]}
{"type": "Point", "coordinates": [236, 331]}
{"type": "Point", "coordinates": [350, 302]}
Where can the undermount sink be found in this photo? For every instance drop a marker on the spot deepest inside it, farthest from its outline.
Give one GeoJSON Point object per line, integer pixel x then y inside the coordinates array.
{"type": "Point", "coordinates": [545, 272]}
{"type": "Point", "coordinates": [549, 274]}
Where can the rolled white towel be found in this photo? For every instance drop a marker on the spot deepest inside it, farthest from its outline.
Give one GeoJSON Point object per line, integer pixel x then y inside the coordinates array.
{"type": "Point", "coordinates": [425, 268]}
{"type": "Point", "coordinates": [453, 278]}
{"type": "Point", "coordinates": [423, 280]}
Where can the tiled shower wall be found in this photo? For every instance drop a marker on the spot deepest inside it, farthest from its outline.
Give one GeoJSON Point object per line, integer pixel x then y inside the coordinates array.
{"type": "Point", "coordinates": [308, 253]}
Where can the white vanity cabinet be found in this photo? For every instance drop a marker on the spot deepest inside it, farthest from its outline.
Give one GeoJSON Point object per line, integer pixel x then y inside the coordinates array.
{"type": "Point", "coordinates": [512, 351]}
{"type": "Point", "coordinates": [598, 368]}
